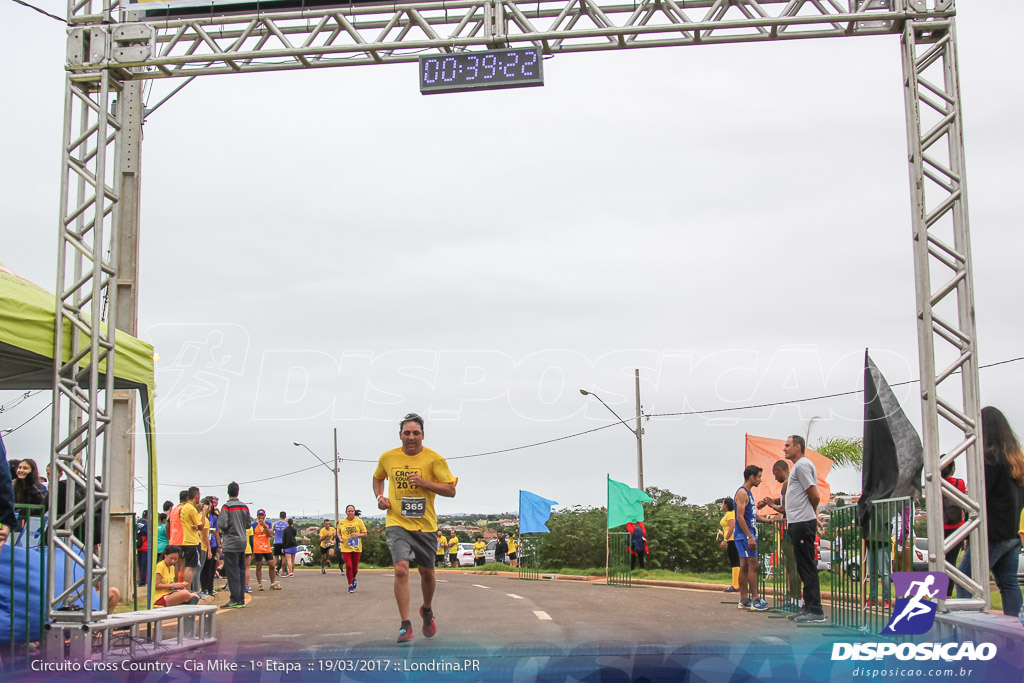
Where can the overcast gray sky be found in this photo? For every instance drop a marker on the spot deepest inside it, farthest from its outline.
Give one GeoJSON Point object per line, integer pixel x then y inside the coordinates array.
{"type": "Point", "coordinates": [330, 249]}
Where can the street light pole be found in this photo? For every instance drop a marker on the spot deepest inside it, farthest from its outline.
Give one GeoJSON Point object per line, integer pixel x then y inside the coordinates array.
{"type": "Point", "coordinates": [638, 432]}
{"type": "Point", "coordinates": [639, 436]}
{"type": "Point", "coordinates": [336, 517]}
{"type": "Point", "coordinates": [334, 470]}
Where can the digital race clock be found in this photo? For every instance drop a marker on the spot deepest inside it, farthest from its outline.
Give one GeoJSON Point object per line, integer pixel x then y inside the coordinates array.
{"type": "Point", "coordinates": [511, 68]}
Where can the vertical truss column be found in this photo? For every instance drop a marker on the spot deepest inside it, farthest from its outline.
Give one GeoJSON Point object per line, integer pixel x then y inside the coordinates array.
{"type": "Point", "coordinates": [83, 348]}
{"type": "Point", "coordinates": [947, 342]}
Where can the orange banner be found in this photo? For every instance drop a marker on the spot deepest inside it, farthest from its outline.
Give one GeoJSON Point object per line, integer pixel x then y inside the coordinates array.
{"type": "Point", "coordinates": [763, 452]}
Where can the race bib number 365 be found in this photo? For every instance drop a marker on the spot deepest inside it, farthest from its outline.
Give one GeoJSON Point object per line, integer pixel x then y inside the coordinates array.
{"type": "Point", "coordinates": [413, 507]}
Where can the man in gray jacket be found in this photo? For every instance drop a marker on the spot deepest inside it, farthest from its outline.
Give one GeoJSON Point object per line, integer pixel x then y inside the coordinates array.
{"type": "Point", "coordinates": [234, 523]}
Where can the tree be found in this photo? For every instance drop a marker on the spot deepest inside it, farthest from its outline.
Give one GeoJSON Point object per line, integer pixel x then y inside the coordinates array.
{"type": "Point", "coordinates": [844, 451]}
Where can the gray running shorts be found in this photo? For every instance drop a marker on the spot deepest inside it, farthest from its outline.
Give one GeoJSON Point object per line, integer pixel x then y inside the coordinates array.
{"type": "Point", "coordinates": [415, 547]}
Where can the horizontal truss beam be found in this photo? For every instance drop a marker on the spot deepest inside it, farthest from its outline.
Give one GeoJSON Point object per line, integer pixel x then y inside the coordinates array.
{"type": "Point", "coordinates": [359, 34]}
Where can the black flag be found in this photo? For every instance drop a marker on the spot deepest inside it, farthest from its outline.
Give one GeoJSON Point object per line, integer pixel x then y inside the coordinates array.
{"type": "Point", "coordinates": [893, 454]}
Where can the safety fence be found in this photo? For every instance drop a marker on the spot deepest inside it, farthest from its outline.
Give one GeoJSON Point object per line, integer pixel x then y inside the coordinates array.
{"type": "Point", "coordinates": [859, 559]}
{"type": "Point", "coordinates": [619, 559]}
{"type": "Point", "coordinates": [529, 559]}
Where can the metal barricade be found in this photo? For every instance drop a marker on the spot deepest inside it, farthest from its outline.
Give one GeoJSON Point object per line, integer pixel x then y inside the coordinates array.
{"type": "Point", "coordinates": [777, 575]}
{"type": "Point", "coordinates": [529, 561]}
{"type": "Point", "coordinates": [619, 560]}
{"type": "Point", "coordinates": [863, 559]}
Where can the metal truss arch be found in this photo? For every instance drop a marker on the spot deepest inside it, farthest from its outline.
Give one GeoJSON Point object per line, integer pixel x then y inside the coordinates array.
{"type": "Point", "coordinates": [112, 46]}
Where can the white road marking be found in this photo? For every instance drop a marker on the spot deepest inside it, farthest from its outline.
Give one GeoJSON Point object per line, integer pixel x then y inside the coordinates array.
{"type": "Point", "coordinates": [477, 585]}
{"type": "Point", "coordinates": [543, 616]}
{"type": "Point", "coordinates": [283, 635]}
{"type": "Point", "coordinates": [513, 595]}
{"type": "Point", "coordinates": [350, 633]}
{"type": "Point", "coordinates": [442, 580]}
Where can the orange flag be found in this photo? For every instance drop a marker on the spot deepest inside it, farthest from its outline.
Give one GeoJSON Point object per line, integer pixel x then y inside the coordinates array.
{"type": "Point", "coordinates": [763, 452]}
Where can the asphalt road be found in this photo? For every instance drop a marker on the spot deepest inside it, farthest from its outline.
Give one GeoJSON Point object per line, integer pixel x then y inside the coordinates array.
{"type": "Point", "coordinates": [314, 615]}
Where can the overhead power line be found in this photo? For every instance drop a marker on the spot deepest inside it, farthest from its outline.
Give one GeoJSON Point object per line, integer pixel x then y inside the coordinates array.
{"type": "Point", "coordinates": [11, 431]}
{"type": "Point", "coordinates": [612, 424]}
{"type": "Point", "coordinates": [41, 11]}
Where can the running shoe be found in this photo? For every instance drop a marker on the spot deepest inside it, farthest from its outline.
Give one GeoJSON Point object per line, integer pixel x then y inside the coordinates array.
{"type": "Point", "coordinates": [290, 575]}
{"type": "Point", "coordinates": [744, 605]}
{"type": "Point", "coordinates": [429, 624]}
{"type": "Point", "coordinates": [810, 618]}
{"type": "Point", "coordinates": [731, 589]}
{"type": "Point", "coordinates": [323, 571]}
{"type": "Point", "coordinates": [759, 605]}
{"type": "Point", "coordinates": [405, 633]}
{"type": "Point", "coordinates": [248, 589]}
{"type": "Point", "coordinates": [233, 605]}
{"type": "Point", "coordinates": [275, 586]}
{"type": "Point", "coordinates": [260, 587]}
{"type": "Point", "coordinates": [792, 617]}
{"type": "Point", "coordinates": [351, 588]}
{"type": "Point", "coordinates": [354, 583]}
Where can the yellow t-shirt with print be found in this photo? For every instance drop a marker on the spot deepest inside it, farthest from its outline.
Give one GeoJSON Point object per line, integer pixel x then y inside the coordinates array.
{"type": "Point", "coordinates": [442, 545]}
{"type": "Point", "coordinates": [416, 513]}
{"type": "Point", "coordinates": [453, 544]}
{"type": "Point", "coordinates": [345, 531]}
{"type": "Point", "coordinates": [479, 548]}
{"type": "Point", "coordinates": [326, 537]}
{"type": "Point", "coordinates": [163, 574]}
{"type": "Point", "coordinates": [511, 545]}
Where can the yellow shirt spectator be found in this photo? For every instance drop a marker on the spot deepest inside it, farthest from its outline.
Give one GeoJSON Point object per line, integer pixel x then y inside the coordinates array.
{"type": "Point", "coordinates": [453, 543]}
{"type": "Point", "coordinates": [511, 545]}
{"type": "Point", "coordinates": [164, 575]}
{"type": "Point", "coordinates": [442, 544]}
{"type": "Point", "coordinates": [416, 513]}
{"type": "Point", "coordinates": [346, 529]}
{"type": "Point", "coordinates": [204, 536]}
{"type": "Point", "coordinates": [248, 541]}
{"type": "Point", "coordinates": [479, 549]}
{"type": "Point", "coordinates": [729, 516]}
{"type": "Point", "coordinates": [190, 517]}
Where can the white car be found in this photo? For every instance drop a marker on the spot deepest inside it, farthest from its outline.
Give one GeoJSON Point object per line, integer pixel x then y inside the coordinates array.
{"type": "Point", "coordinates": [465, 555]}
{"type": "Point", "coordinates": [303, 557]}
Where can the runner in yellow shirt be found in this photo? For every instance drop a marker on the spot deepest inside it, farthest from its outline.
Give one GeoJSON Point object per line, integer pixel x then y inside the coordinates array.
{"type": "Point", "coordinates": [351, 532]}
{"type": "Point", "coordinates": [513, 551]}
{"type": "Point", "coordinates": [327, 538]}
{"type": "Point", "coordinates": [415, 475]}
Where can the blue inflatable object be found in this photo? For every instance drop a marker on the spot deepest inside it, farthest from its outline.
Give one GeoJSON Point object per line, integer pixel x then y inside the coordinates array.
{"type": "Point", "coordinates": [24, 570]}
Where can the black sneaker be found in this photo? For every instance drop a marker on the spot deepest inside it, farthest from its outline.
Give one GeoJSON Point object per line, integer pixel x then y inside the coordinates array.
{"type": "Point", "coordinates": [792, 617]}
{"type": "Point", "coordinates": [810, 618]}
{"type": "Point", "coordinates": [233, 605]}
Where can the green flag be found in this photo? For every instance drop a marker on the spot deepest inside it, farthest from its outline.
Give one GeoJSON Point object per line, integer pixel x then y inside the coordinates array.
{"type": "Point", "coordinates": [625, 504]}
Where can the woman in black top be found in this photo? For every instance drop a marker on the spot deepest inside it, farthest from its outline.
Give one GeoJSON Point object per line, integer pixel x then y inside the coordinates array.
{"type": "Point", "coordinates": [27, 487]}
{"type": "Point", "coordinates": [1004, 499]}
{"type": "Point", "coordinates": [289, 543]}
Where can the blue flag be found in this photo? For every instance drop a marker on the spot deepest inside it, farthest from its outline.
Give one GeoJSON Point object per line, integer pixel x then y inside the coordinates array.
{"type": "Point", "coordinates": [534, 513]}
